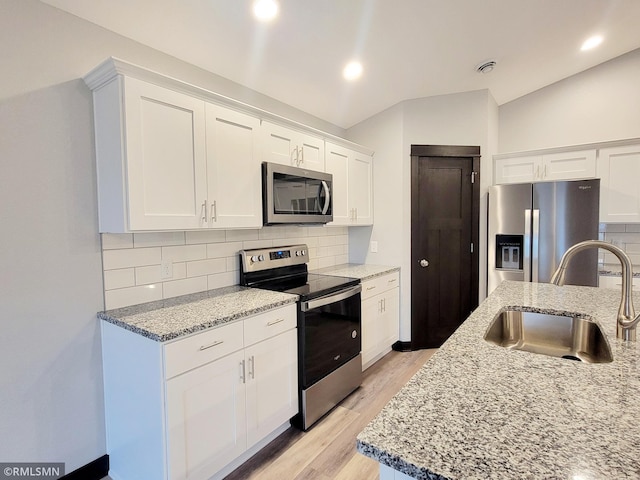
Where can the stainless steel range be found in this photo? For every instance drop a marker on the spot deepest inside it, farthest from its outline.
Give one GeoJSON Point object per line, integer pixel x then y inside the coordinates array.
{"type": "Point", "coordinates": [329, 312]}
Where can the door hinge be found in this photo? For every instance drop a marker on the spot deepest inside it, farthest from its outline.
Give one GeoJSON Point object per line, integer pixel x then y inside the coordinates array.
{"type": "Point", "coordinates": [473, 177]}
{"type": "Point", "coordinates": [472, 248]}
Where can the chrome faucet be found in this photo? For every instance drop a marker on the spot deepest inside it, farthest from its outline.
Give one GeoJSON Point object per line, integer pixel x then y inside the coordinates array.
{"type": "Point", "coordinates": [627, 319]}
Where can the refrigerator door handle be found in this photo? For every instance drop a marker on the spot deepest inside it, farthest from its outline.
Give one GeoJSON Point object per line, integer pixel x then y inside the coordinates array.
{"type": "Point", "coordinates": [535, 246]}
{"type": "Point", "coordinates": [526, 255]}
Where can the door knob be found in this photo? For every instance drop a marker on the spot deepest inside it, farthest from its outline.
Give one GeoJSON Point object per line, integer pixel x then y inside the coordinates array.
{"type": "Point", "coordinates": [424, 263]}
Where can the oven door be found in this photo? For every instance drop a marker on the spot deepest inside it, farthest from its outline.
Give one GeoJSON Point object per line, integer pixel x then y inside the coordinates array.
{"type": "Point", "coordinates": [295, 195]}
{"type": "Point", "coordinates": [329, 334]}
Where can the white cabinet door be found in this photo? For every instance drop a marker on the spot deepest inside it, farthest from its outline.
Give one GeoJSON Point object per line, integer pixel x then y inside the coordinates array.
{"type": "Point", "coordinates": [206, 418]}
{"type": "Point", "coordinates": [165, 157]}
{"type": "Point", "coordinates": [352, 185]}
{"type": "Point", "coordinates": [337, 164]}
{"type": "Point", "coordinates": [372, 334]}
{"type": "Point", "coordinates": [391, 317]}
{"type": "Point", "coordinates": [569, 165]}
{"type": "Point", "coordinates": [619, 170]}
{"type": "Point", "coordinates": [360, 188]}
{"type": "Point", "coordinates": [272, 384]}
{"type": "Point", "coordinates": [233, 169]}
{"type": "Point", "coordinates": [517, 169]}
{"type": "Point", "coordinates": [311, 152]}
{"type": "Point", "coordinates": [289, 147]}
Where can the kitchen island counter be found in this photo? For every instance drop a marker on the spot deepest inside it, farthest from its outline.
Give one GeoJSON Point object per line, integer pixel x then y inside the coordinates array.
{"type": "Point", "coordinates": [479, 411]}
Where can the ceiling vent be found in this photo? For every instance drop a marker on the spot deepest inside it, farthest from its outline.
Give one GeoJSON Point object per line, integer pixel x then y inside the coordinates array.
{"type": "Point", "coordinates": [486, 67]}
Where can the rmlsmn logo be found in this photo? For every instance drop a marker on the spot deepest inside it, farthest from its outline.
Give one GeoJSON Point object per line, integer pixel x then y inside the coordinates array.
{"type": "Point", "coordinates": [584, 187]}
{"type": "Point", "coordinates": [24, 470]}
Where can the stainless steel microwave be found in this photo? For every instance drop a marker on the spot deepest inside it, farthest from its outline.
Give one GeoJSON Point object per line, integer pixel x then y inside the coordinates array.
{"type": "Point", "coordinates": [295, 195]}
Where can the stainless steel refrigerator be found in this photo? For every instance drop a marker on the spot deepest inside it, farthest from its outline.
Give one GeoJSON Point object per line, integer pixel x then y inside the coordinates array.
{"type": "Point", "coordinates": [531, 226]}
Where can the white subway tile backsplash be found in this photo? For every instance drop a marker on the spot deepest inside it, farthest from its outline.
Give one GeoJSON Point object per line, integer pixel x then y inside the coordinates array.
{"type": "Point", "coordinates": [151, 274]}
{"type": "Point", "coordinates": [112, 241]}
{"type": "Point", "coordinates": [612, 227]}
{"type": "Point", "coordinates": [186, 286]}
{"type": "Point", "coordinates": [242, 235]}
{"type": "Point", "coordinates": [124, 297]}
{"type": "Point", "coordinates": [121, 278]}
{"type": "Point", "coordinates": [207, 236]}
{"type": "Point", "coordinates": [184, 253]}
{"type": "Point", "coordinates": [632, 228]}
{"type": "Point", "coordinates": [233, 263]}
{"type": "Point", "coordinates": [130, 257]}
{"type": "Point", "coordinates": [220, 280]}
{"type": "Point", "coordinates": [206, 267]}
{"type": "Point", "coordinates": [204, 260]}
{"type": "Point", "coordinates": [158, 239]}
{"type": "Point", "coordinates": [222, 250]}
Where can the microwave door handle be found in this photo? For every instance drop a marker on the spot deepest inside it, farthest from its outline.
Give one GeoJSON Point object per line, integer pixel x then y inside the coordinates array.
{"type": "Point", "coordinates": [327, 194]}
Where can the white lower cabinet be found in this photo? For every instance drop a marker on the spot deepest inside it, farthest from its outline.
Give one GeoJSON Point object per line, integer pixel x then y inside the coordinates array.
{"type": "Point", "coordinates": [191, 408]}
{"type": "Point", "coordinates": [606, 281]}
{"type": "Point", "coordinates": [380, 316]}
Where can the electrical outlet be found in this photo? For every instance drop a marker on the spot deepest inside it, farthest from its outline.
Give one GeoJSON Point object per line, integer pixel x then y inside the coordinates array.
{"type": "Point", "coordinates": [374, 247]}
{"type": "Point", "coordinates": [166, 269]}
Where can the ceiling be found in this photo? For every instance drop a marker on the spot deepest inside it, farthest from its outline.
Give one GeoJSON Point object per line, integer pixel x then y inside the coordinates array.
{"type": "Point", "coordinates": [409, 48]}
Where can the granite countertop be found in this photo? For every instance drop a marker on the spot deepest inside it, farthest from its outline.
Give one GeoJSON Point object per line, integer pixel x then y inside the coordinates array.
{"type": "Point", "coordinates": [354, 270]}
{"type": "Point", "coordinates": [165, 320]}
{"type": "Point", "coordinates": [480, 411]}
{"type": "Point", "coordinates": [615, 273]}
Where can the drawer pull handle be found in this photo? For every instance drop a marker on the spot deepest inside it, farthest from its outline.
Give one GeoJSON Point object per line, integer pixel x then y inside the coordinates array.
{"type": "Point", "coordinates": [370, 288]}
{"type": "Point", "coordinates": [217, 342]}
{"type": "Point", "coordinates": [392, 280]}
{"type": "Point", "coordinates": [273, 322]}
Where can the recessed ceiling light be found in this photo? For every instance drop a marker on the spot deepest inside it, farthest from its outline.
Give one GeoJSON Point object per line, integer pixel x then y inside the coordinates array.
{"type": "Point", "coordinates": [591, 42]}
{"type": "Point", "coordinates": [265, 10]}
{"type": "Point", "coordinates": [352, 71]}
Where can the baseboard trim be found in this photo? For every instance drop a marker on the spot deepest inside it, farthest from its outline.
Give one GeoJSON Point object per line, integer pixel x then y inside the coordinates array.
{"type": "Point", "coordinates": [400, 346]}
{"type": "Point", "coordinates": [96, 470]}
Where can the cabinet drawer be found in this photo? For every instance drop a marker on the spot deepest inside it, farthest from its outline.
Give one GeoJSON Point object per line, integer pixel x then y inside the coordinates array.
{"type": "Point", "coordinates": [380, 284]}
{"type": "Point", "coordinates": [268, 324]}
{"type": "Point", "coordinates": [202, 348]}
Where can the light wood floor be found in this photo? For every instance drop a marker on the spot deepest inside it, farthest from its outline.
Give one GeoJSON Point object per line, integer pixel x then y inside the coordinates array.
{"type": "Point", "coordinates": [328, 450]}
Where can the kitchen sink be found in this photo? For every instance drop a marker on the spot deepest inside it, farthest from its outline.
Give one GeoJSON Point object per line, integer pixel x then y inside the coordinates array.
{"type": "Point", "coordinates": [561, 336]}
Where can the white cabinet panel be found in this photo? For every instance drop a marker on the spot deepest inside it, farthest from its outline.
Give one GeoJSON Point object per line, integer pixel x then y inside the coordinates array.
{"type": "Point", "coordinates": [550, 167]}
{"type": "Point", "coordinates": [380, 317]}
{"type": "Point", "coordinates": [233, 169]}
{"type": "Point", "coordinates": [352, 185]}
{"type": "Point", "coordinates": [206, 418]}
{"type": "Point", "coordinates": [517, 169]}
{"type": "Point", "coordinates": [619, 170]}
{"type": "Point", "coordinates": [290, 147]}
{"type": "Point", "coordinates": [272, 384]}
{"type": "Point", "coordinates": [165, 157]}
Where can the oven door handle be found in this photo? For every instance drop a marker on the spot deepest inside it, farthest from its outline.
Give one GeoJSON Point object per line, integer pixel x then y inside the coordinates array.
{"type": "Point", "coordinates": [335, 297]}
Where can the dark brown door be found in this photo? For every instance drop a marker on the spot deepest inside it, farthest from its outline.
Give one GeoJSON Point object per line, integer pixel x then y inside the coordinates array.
{"type": "Point", "coordinates": [444, 241]}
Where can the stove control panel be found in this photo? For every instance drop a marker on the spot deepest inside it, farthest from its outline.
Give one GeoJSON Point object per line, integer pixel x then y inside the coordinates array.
{"type": "Point", "coordinates": [267, 258]}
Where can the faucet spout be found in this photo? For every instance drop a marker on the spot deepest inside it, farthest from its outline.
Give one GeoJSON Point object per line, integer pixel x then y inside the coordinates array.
{"type": "Point", "coordinates": [627, 319]}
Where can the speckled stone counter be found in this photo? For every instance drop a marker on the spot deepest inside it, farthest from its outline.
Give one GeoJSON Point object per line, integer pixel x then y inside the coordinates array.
{"type": "Point", "coordinates": [354, 270]}
{"type": "Point", "coordinates": [168, 319]}
{"type": "Point", "coordinates": [480, 411]}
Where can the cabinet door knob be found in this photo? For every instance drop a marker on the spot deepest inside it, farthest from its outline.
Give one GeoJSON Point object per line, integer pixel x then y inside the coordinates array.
{"type": "Point", "coordinates": [424, 263]}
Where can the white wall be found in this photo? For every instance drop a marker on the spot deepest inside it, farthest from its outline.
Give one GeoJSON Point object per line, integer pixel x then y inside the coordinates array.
{"type": "Point", "coordinates": [461, 119]}
{"type": "Point", "coordinates": [51, 275]}
{"type": "Point", "coordinates": [598, 105]}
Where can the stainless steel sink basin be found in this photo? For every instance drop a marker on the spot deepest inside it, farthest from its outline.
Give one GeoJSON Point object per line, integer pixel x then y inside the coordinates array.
{"type": "Point", "coordinates": [554, 335]}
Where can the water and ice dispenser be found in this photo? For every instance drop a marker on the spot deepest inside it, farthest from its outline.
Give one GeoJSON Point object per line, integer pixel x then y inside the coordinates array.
{"type": "Point", "coordinates": [509, 251]}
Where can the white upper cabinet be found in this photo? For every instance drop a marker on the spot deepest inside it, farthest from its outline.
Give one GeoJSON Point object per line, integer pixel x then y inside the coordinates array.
{"type": "Point", "coordinates": [619, 170]}
{"type": "Point", "coordinates": [169, 161]}
{"type": "Point", "coordinates": [233, 169]}
{"type": "Point", "coordinates": [352, 185]}
{"type": "Point", "coordinates": [290, 147]}
{"type": "Point", "coordinates": [545, 168]}
{"type": "Point", "coordinates": [150, 147]}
